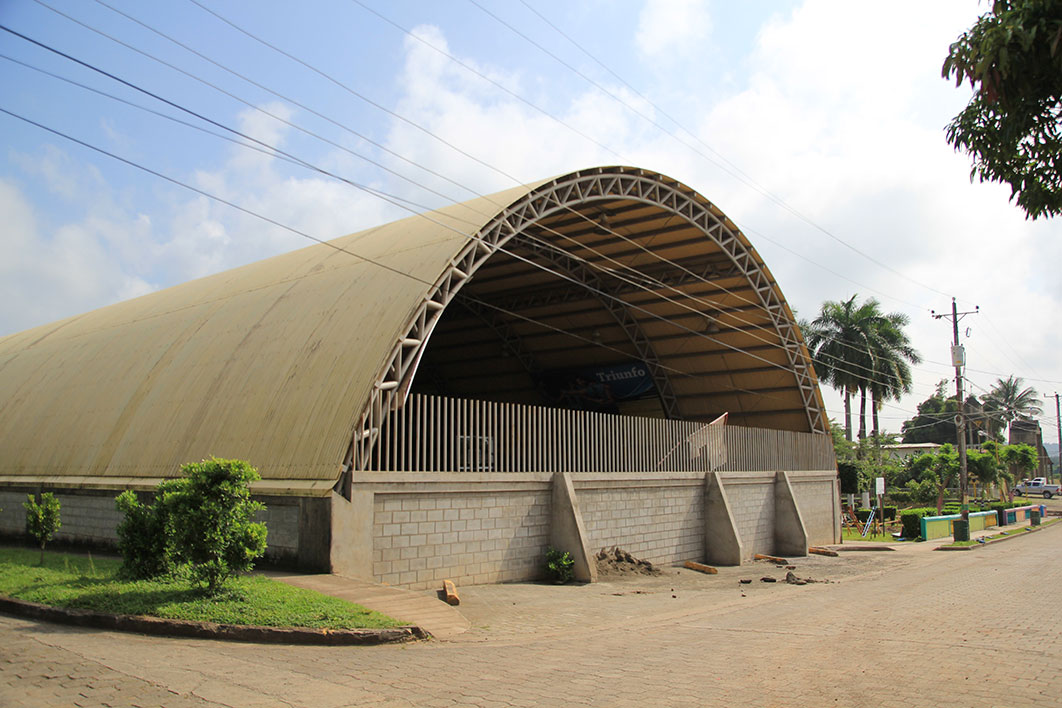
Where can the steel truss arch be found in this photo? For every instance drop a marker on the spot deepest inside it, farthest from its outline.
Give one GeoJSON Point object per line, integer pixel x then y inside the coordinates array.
{"type": "Point", "coordinates": [562, 194]}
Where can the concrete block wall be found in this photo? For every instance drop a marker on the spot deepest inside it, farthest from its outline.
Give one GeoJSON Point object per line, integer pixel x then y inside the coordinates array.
{"type": "Point", "coordinates": [12, 515]}
{"type": "Point", "coordinates": [469, 537]}
{"type": "Point", "coordinates": [752, 503]}
{"type": "Point", "coordinates": [281, 517]}
{"type": "Point", "coordinates": [91, 517]}
{"type": "Point", "coordinates": [818, 506]}
{"type": "Point", "coordinates": [660, 520]}
{"type": "Point", "coordinates": [85, 517]}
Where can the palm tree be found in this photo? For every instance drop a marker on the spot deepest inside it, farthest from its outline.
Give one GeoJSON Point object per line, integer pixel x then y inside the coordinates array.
{"type": "Point", "coordinates": [890, 353]}
{"type": "Point", "coordinates": [1009, 401]}
{"type": "Point", "coordinates": [836, 340]}
{"type": "Point", "coordinates": [856, 348]}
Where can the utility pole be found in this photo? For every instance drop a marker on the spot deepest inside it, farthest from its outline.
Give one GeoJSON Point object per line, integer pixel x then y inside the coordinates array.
{"type": "Point", "coordinates": [958, 359]}
{"type": "Point", "coordinates": [1058, 421]}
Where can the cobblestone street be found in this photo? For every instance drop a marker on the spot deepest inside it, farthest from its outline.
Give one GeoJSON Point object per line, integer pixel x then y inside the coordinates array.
{"type": "Point", "coordinates": [911, 628]}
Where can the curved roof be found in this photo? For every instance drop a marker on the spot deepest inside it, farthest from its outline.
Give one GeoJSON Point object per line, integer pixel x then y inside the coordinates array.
{"type": "Point", "coordinates": [282, 362]}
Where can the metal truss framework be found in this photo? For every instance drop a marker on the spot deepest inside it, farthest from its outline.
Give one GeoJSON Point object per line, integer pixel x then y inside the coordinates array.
{"type": "Point", "coordinates": [392, 385]}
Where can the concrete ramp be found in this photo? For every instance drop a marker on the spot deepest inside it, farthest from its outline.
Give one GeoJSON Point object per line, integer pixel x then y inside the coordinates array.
{"type": "Point", "coordinates": [419, 607]}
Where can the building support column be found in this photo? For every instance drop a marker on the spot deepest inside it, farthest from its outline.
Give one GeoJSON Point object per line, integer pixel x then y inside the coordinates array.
{"type": "Point", "coordinates": [790, 535]}
{"type": "Point", "coordinates": [566, 531]}
{"type": "Point", "coordinates": [722, 543]}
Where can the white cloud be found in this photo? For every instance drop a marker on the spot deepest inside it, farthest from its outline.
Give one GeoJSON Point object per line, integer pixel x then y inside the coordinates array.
{"type": "Point", "coordinates": [671, 30]}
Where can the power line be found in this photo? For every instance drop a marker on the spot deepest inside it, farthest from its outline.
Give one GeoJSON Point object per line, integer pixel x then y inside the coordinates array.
{"type": "Point", "coordinates": [308, 165]}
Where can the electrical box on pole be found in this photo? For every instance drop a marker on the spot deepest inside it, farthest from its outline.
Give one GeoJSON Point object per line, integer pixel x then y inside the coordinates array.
{"type": "Point", "coordinates": [958, 355]}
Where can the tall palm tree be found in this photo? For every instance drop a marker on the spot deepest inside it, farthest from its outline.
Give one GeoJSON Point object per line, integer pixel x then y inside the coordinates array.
{"type": "Point", "coordinates": [1011, 400]}
{"type": "Point", "coordinates": [891, 351]}
{"type": "Point", "coordinates": [837, 340]}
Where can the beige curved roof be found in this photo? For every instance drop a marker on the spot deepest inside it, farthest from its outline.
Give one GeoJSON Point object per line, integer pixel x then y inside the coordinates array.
{"type": "Point", "coordinates": [278, 361]}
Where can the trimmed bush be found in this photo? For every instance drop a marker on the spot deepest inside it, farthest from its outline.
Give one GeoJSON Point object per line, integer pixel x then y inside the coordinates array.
{"type": "Point", "coordinates": [911, 521]}
{"type": "Point", "coordinates": [890, 512]}
{"type": "Point", "coordinates": [862, 515]}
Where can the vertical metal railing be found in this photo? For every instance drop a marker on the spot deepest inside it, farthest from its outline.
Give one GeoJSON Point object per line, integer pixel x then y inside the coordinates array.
{"type": "Point", "coordinates": [439, 434]}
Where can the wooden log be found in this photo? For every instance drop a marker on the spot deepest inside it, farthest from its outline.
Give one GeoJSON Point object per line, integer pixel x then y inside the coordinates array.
{"type": "Point", "coordinates": [822, 551]}
{"type": "Point", "coordinates": [773, 559]}
{"type": "Point", "coordinates": [701, 567]}
{"type": "Point", "coordinates": [451, 593]}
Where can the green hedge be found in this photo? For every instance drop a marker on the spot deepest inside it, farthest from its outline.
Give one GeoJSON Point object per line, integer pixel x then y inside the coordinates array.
{"type": "Point", "coordinates": [911, 520]}
{"type": "Point", "coordinates": [862, 515]}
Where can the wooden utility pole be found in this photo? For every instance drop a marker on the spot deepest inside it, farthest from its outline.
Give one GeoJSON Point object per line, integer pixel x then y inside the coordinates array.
{"type": "Point", "coordinates": [958, 359]}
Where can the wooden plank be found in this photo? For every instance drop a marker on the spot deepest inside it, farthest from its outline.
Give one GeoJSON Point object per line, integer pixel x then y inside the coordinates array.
{"type": "Point", "coordinates": [773, 559]}
{"type": "Point", "coordinates": [701, 567]}
{"type": "Point", "coordinates": [822, 551]}
{"type": "Point", "coordinates": [450, 591]}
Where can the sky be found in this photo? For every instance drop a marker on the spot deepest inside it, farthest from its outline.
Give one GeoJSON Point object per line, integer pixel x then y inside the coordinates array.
{"type": "Point", "coordinates": [816, 126]}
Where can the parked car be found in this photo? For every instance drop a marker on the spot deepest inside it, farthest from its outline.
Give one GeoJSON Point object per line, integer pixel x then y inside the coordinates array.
{"type": "Point", "coordinates": [1036, 486]}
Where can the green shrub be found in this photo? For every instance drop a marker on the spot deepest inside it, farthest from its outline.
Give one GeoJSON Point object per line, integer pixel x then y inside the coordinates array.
{"type": "Point", "coordinates": [901, 496]}
{"type": "Point", "coordinates": [911, 521]}
{"type": "Point", "coordinates": [559, 565]}
{"type": "Point", "coordinates": [42, 520]}
{"type": "Point", "coordinates": [862, 515]}
{"type": "Point", "coordinates": [202, 520]}
{"type": "Point", "coordinates": [848, 474]}
{"type": "Point", "coordinates": [210, 523]}
{"type": "Point", "coordinates": [144, 534]}
{"type": "Point", "coordinates": [890, 512]}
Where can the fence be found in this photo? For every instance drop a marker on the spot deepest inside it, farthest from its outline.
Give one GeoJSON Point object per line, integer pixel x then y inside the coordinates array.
{"type": "Point", "coordinates": [436, 434]}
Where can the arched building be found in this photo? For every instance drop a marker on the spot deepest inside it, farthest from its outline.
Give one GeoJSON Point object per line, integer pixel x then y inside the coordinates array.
{"type": "Point", "coordinates": [448, 394]}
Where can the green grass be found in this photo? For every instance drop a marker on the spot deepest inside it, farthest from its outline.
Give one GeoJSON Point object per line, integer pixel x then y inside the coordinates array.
{"type": "Point", "coordinates": [1002, 534]}
{"type": "Point", "coordinates": [849, 535]}
{"type": "Point", "coordinates": [84, 582]}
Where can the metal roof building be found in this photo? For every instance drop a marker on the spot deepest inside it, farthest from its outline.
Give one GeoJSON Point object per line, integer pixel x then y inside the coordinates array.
{"type": "Point", "coordinates": [295, 362]}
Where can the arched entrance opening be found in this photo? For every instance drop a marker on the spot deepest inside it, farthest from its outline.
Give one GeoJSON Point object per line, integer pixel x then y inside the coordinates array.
{"type": "Point", "coordinates": [612, 290]}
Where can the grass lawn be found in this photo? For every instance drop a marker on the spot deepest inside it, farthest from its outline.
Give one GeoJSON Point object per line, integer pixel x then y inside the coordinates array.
{"type": "Point", "coordinates": [849, 535]}
{"type": "Point", "coordinates": [78, 581]}
{"type": "Point", "coordinates": [1002, 534]}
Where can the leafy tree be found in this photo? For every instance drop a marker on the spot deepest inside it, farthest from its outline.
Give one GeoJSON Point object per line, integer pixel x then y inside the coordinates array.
{"type": "Point", "coordinates": [1021, 459]}
{"type": "Point", "coordinates": [940, 469]}
{"type": "Point", "coordinates": [935, 420]}
{"type": "Point", "coordinates": [210, 516]}
{"type": "Point", "coordinates": [982, 467]}
{"type": "Point", "coordinates": [1012, 127]}
{"type": "Point", "coordinates": [42, 520]}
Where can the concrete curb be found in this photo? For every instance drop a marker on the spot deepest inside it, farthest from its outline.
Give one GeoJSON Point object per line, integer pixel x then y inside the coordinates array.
{"type": "Point", "coordinates": [1029, 530]}
{"type": "Point", "coordinates": [209, 630]}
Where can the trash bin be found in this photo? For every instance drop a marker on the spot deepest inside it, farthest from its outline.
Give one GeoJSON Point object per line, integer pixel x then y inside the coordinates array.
{"type": "Point", "coordinates": [1001, 515]}
{"type": "Point", "coordinates": [1034, 517]}
{"type": "Point", "coordinates": [961, 529]}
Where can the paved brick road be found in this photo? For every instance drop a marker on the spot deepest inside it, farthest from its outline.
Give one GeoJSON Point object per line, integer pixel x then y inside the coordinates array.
{"type": "Point", "coordinates": [913, 629]}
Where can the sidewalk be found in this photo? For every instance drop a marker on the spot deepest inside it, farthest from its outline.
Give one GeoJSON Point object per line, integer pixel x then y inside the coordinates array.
{"type": "Point", "coordinates": [413, 607]}
{"type": "Point", "coordinates": [513, 608]}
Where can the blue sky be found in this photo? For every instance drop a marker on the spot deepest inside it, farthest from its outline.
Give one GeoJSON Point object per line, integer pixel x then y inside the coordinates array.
{"type": "Point", "coordinates": [817, 126]}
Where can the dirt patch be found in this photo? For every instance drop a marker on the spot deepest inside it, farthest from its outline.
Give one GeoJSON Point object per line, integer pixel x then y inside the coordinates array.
{"type": "Point", "coordinates": [616, 562]}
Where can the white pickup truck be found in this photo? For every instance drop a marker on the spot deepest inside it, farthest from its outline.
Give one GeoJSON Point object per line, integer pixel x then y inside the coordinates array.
{"type": "Point", "coordinates": [1036, 486]}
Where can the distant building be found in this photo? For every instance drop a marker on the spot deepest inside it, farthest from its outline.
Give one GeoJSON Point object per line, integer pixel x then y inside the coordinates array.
{"type": "Point", "coordinates": [902, 451]}
{"type": "Point", "coordinates": [1028, 432]}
